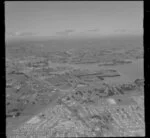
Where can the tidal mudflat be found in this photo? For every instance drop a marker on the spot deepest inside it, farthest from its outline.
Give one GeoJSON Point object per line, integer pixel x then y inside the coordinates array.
{"type": "Point", "coordinates": [74, 69]}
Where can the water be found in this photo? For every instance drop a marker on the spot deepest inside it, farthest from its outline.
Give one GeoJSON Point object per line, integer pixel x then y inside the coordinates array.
{"type": "Point", "coordinates": [66, 44]}
{"type": "Point", "coordinates": [129, 72]}
{"type": "Point", "coordinates": [132, 71]}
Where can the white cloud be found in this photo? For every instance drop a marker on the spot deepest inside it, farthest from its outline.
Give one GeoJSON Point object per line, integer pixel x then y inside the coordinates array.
{"type": "Point", "coordinates": [93, 30]}
{"type": "Point", "coordinates": [121, 30]}
{"type": "Point", "coordinates": [20, 34]}
{"type": "Point", "coordinates": [65, 32]}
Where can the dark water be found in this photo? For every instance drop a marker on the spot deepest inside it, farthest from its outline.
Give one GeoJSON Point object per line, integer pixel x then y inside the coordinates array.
{"type": "Point", "coordinates": [128, 72]}
{"type": "Point", "coordinates": [131, 71]}
{"type": "Point", "coordinates": [66, 44]}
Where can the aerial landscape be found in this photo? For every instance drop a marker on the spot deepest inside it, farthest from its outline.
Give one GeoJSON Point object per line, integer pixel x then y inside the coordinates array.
{"type": "Point", "coordinates": [74, 69]}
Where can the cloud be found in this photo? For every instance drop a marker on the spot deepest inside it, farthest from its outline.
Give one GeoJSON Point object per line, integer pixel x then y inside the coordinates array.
{"type": "Point", "coordinates": [93, 30]}
{"type": "Point", "coordinates": [65, 32]}
{"type": "Point", "coordinates": [20, 34]}
{"type": "Point", "coordinates": [11, 34]}
{"type": "Point", "coordinates": [27, 34]}
{"type": "Point", "coordinates": [120, 30]}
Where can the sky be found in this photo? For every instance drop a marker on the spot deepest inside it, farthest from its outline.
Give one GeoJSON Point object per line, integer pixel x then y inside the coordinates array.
{"type": "Point", "coordinates": [73, 18]}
